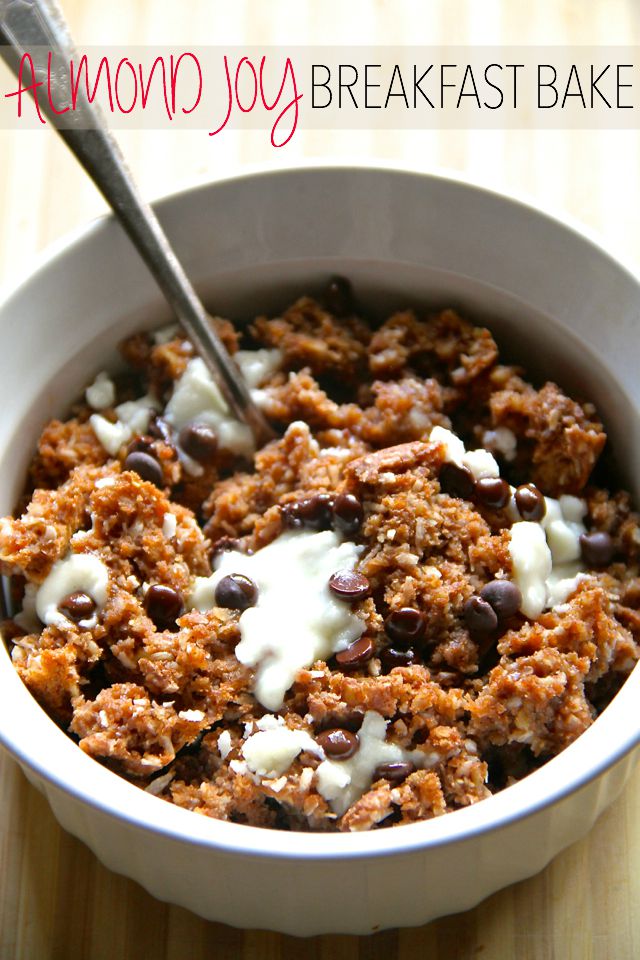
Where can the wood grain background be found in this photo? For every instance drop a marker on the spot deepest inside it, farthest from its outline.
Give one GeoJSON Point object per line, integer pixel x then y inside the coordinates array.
{"type": "Point", "coordinates": [56, 900]}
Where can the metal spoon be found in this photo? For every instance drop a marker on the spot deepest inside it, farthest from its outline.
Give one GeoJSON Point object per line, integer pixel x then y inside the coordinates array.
{"type": "Point", "coordinates": [34, 26]}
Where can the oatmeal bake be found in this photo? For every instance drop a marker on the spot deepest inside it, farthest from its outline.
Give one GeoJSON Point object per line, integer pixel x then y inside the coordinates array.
{"type": "Point", "coordinates": [412, 598]}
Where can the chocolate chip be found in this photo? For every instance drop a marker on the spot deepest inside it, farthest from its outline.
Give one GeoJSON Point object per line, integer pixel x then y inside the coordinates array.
{"type": "Point", "coordinates": [359, 652]}
{"type": "Point", "coordinates": [163, 605]}
{"type": "Point", "coordinates": [339, 297]}
{"type": "Point", "coordinates": [236, 592]}
{"type": "Point", "coordinates": [159, 428]}
{"type": "Point", "coordinates": [142, 444]}
{"type": "Point", "coordinates": [530, 503]}
{"type": "Point", "coordinates": [395, 771]}
{"type": "Point", "coordinates": [338, 743]}
{"type": "Point", "coordinates": [488, 653]}
{"type": "Point", "coordinates": [78, 606]}
{"type": "Point", "coordinates": [199, 442]}
{"type": "Point", "coordinates": [392, 657]}
{"type": "Point", "coordinates": [146, 466]}
{"type": "Point", "coordinates": [597, 548]}
{"type": "Point", "coordinates": [406, 626]}
{"type": "Point", "coordinates": [347, 514]}
{"type": "Point", "coordinates": [313, 512]}
{"type": "Point", "coordinates": [456, 481]}
{"type": "Point", "coordinates": [504, 596]}
{"type": "Point", "coordinates": [479, 615]}
{"type": "Point", "coordinates": [349, 585]}
{"type": "Point", "coordinates": [492, 492]}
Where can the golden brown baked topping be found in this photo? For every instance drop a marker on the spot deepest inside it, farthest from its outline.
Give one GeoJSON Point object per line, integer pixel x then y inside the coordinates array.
{"type": "Point", "coordinates": [409, 600]}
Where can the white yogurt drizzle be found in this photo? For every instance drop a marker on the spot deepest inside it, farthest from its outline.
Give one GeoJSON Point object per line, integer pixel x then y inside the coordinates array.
{"type": "Point", "coordinates": [271, 751]}
{"type": "Point", "coordinates": [480, 462]}
{"type": "Point", "coordinates": [77, 572]}
{"type": "Point", "coordinates": [133, 418]}
{"type": "Point", "coordinates": [501, 440]}
{"type": "Point", "coordinates": [165, 334]}
{"type": "Point", "coordinates": [545, 555]}
{"type": "Point", "coordinates": [101, 393]}
{"type": "Point", "coordinates": [195, 400]}
{"type": "Point", "coordinates": [342, 782]}
{"type": "Point", "coordinates": [296, 619]}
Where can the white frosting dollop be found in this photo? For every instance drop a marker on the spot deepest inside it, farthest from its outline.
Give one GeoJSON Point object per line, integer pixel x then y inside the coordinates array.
{"type": "Point", "coordinates": [546, 555]}
{"type": "Point", "coordinates": [562, 582]}
{"type": "Point", "coordinates": [296, 619]}
{"type": "Point", "coordinates": [165, 334]}
{"type": "Point", "coordinates": [272, 750]}
{"type": "Point", "coordinates": [256, 366]}
{"type": "Point", "coordinates": [101, 393]}
{"type": "Point", "coordinates": [547, 577]}
{"type": "Point", "coordinates": [133, 418]}
{"type": "Point", "coordinates": [224, 744]}
{"type": "Point", "coordinates": [77, 572]}
{"type": "Point", "coordinates": [501, 440]}
{"type": "Point", "coordinates": [342, 782]}
{"type": "Point", "coordinates": [196, 399]}
{"type": "Point", "coordinates": [480, 462]}
{"type": "Point", "coordinates": [563, 526]}
{"type": "Point", "coordinates": [532, 563]}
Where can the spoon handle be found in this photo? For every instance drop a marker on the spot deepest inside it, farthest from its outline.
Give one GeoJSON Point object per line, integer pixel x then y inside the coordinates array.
{"type": "Point", "coordinates": [36, 27]}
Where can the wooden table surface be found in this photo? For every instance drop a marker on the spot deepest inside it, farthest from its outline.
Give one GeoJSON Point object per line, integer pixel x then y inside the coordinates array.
{"type": "Point", "coordinates": [56, 900]}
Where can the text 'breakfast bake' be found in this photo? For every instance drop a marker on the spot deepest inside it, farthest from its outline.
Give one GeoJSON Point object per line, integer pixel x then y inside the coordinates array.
{"type": "Point", "coordinates": [414, 597]}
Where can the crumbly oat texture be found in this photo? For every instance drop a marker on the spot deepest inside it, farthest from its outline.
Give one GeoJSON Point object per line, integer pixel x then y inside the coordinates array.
{"type": "Point", "coordinates": [149, 684]}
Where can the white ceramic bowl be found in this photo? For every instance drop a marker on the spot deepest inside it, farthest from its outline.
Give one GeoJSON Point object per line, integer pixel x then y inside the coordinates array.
{"type": "Point", "coordinates": [559, 302]}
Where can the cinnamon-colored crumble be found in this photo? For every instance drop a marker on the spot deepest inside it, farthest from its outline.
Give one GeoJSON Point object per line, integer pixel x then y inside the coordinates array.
{"type": "Point", "coordinates": [169, 706]}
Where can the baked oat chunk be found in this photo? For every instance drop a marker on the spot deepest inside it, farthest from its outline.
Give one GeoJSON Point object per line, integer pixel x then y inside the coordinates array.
{"type": "Point", "coordinates": [538, 700]}
{"type": "Point", "coordinates": [402, 410]}
{"type": "Point", "coordinates": [586, 626]}
{"type": "Point", "coordinates": [300, 397]}
{"type": "Point", "coordinates": [465, 632]}
{"type": "Point", "coordinates": [31, 544]}
{"type": "Point", "coordinates": [54, 666]}
{"type": "Point", "coordinates": [62, 447]}
{"type": "Point", "coordinates": [566, 439]}
{"type": "Point", "coordinates": [444, 346]}
{"type": "Point", "coordinates": [310, 336]}
{"type": "Point", "coordinates": [129, 730]}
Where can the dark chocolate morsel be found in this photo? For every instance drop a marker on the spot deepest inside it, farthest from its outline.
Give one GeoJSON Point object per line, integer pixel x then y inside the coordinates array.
{"type": "Point", "coordinates": [530, 502]}
{"type": "Point", "coordinates": [338, 743]}
{"type": "Point", "coordinates": [236, 592]}
{"type": "Point", "coordinates": [479, 615]}
{"type": "Point", "coordinates": [146, 466]}
{"type": "Point", "coordinates": [163, 605]}
{"type": "Point", "coordinates": [504, 596]}
{"type": "Point", "coordinates": [457, 481]}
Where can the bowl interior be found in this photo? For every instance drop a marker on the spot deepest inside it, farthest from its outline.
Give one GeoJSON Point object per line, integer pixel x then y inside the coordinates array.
{"type": "Point", "coordinates": [555, 302]}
